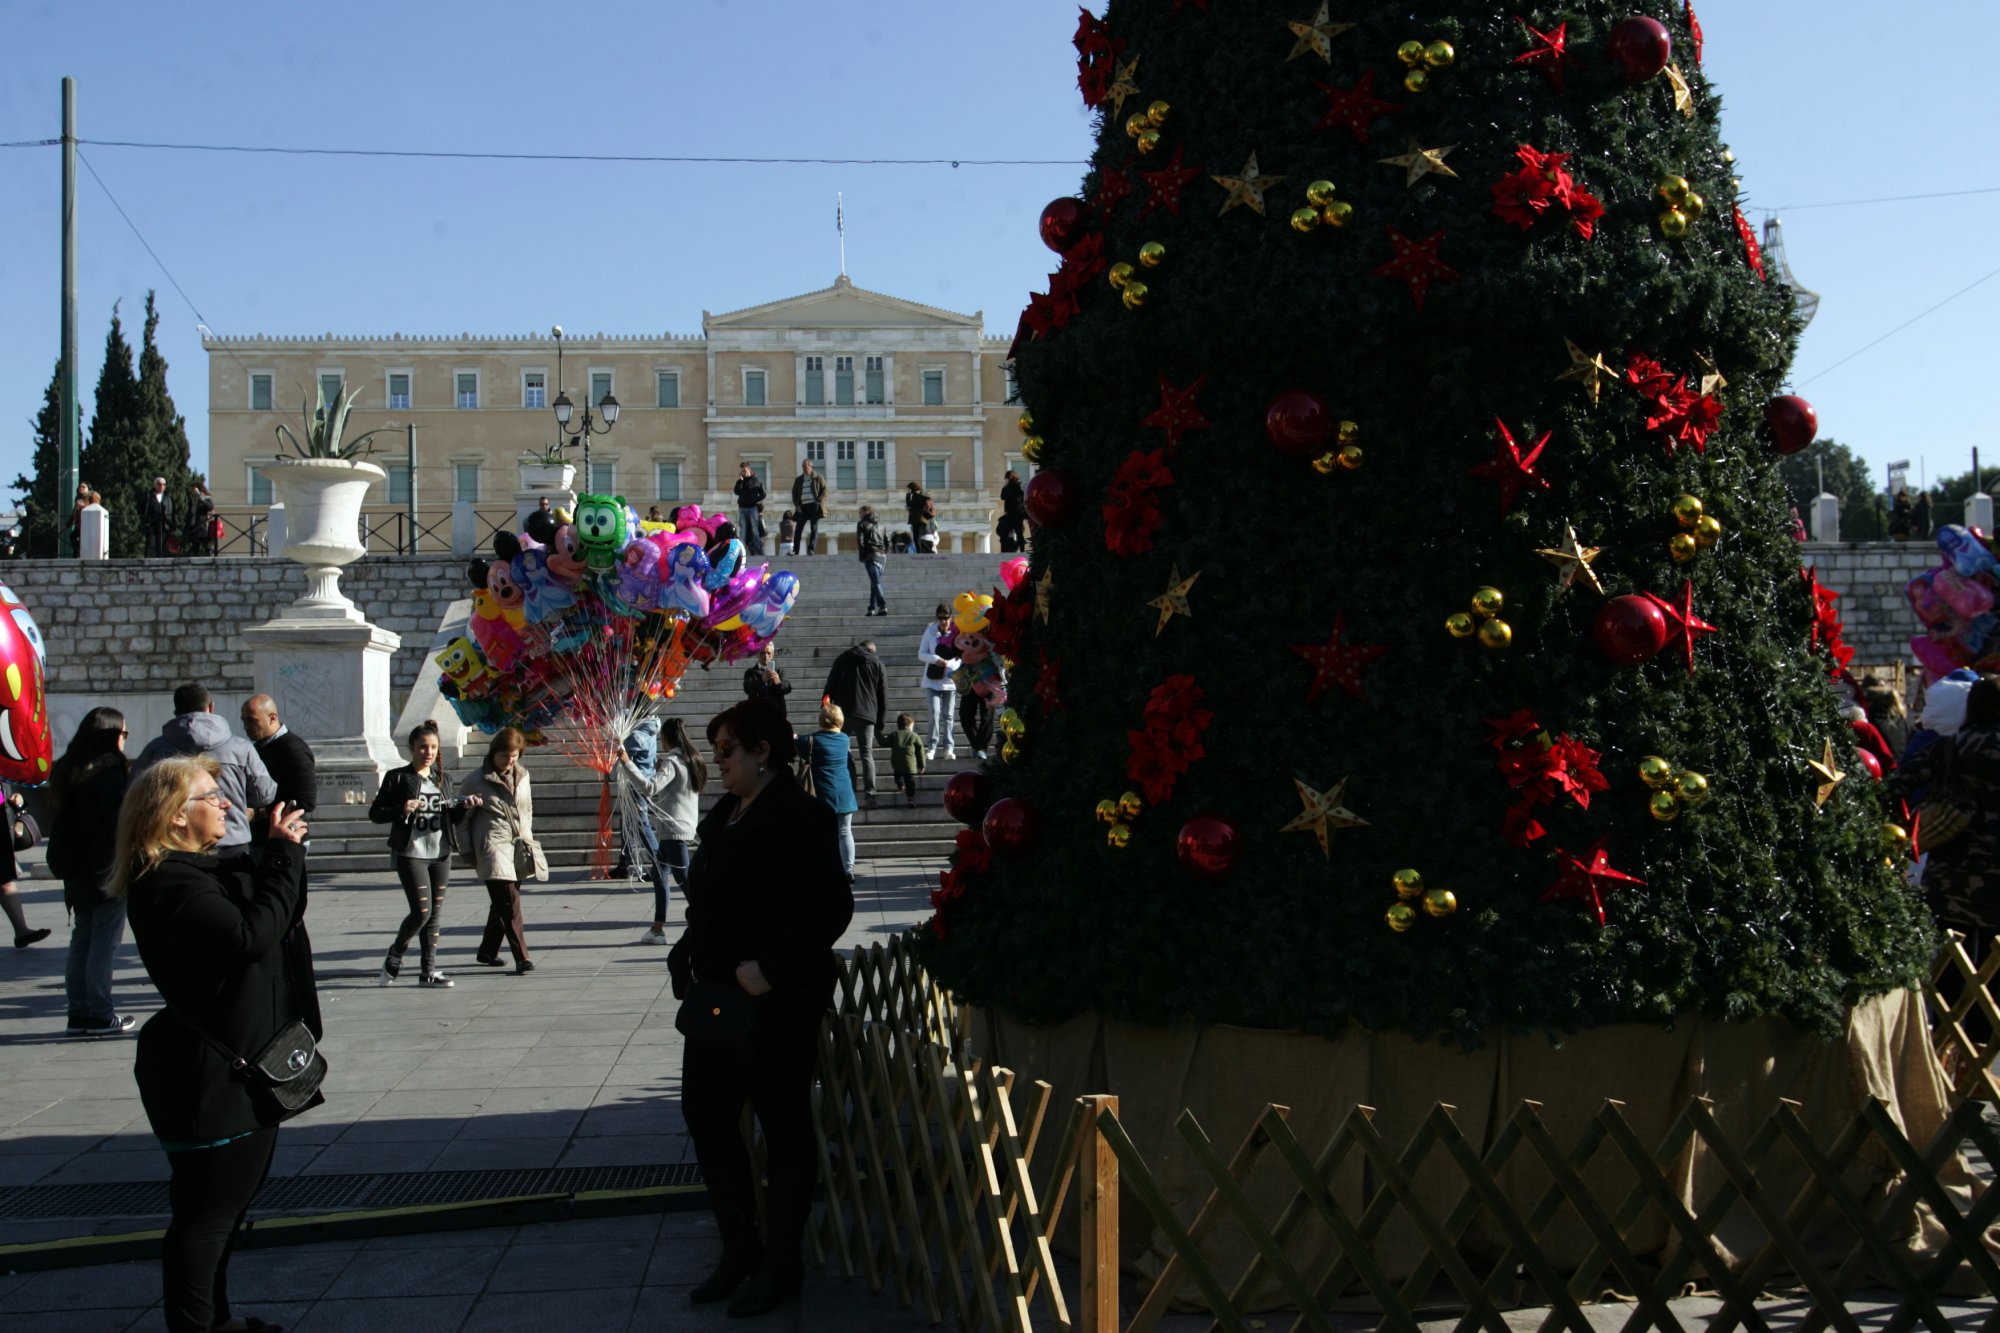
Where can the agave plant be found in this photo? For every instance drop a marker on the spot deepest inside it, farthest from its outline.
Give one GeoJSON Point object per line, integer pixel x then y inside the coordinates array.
{"type": "Point", "coordinates": [326, 424]}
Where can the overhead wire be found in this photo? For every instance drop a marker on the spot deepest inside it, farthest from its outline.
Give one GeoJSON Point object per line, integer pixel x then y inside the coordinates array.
{"type": "Point", "coordinates": [1995, 273]}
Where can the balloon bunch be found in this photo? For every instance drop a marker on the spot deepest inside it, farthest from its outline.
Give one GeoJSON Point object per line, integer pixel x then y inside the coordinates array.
{"type": "Point", "coordinates": [1955, 602]}
{"type": "Point", "coordinates": [577, 639]}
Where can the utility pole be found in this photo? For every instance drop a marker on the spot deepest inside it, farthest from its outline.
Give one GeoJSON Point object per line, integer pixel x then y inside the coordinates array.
{"type": "Point", "coordinates": [410, 491]}
{"type": "Point", "coordinates": [72, 420]}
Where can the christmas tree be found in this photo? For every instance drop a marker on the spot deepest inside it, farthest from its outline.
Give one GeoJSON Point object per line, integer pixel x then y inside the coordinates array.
{"type": "Point", "coordinates": [1415, 636]}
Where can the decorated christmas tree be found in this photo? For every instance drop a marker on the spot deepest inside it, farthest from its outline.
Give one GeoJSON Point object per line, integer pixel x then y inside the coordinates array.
{"type": "Point", "coordinates": [1415, 635]}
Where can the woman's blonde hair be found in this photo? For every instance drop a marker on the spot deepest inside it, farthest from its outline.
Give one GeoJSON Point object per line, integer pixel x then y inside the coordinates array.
{"type": "Point", "coordinates": [146, 817]}
{"type": "Point", "coordinates": [831, 717]}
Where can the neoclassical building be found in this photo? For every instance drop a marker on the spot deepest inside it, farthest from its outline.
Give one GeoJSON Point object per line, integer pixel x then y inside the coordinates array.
{"type": "Point", "coordinates": [875, 390]}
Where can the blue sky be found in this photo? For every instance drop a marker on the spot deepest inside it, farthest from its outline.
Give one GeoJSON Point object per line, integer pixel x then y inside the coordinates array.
{"type": "Point", "coordinates": [1825, 101]}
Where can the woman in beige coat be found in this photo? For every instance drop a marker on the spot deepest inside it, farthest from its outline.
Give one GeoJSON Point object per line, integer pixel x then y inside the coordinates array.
{"type": "Point", "coordinates": [503, 846]}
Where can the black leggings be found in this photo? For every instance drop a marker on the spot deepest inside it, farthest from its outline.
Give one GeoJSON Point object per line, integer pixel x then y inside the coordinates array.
{"type": "Point", "coordinates": [210, 1191]}
{"type": "Point", "coordinates": [423, 885]}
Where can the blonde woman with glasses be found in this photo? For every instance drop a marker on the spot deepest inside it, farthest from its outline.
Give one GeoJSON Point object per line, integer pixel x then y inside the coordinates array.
{"type": "Point", "coordinates": [210, 931]}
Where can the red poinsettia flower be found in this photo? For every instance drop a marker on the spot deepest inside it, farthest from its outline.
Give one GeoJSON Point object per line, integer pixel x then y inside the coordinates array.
{"type": "Point", "coordinates": [1511, 729]}
{"type": "Point", "coordinates": [1520, 827]}
{"type": "Point", "coordinates": [1097, 53]}
{"type": "Point", "coordinates": [1542, 183]}
{"type": "Point", "coordinates": [1007, 619]}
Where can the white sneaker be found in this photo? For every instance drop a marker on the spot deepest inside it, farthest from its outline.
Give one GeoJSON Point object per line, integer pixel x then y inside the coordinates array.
{"type": "Point", "coordinates": [387, 978]}
{"type": "Point", "coordinates": [434, 979]}
{"type": "Point", "coordinates": [949, 755]}
{"type": "Point", "coordinates": [979, 755]}
{"type": "Point", "coordinates": [930, 756]}
{"type": "Point", "coordinates": [653, 937]}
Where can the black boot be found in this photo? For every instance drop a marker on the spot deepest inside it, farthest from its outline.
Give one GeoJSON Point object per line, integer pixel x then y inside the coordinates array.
{"type": "Point", "coordinates": [742, 1250]}
{"type": "Point", "coordinates": [782, 1274]}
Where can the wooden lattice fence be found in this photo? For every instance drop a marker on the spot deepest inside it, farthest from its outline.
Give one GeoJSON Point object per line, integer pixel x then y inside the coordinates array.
{"type": "Point", "coordinates": [948, 1183]}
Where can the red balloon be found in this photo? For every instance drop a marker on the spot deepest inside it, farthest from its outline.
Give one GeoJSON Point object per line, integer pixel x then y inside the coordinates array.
{"type": "Point", "coordinates": [1010, 826]}
{"type": "Point", "coordinates": [967, 796]}
{"type": "Point", "coordinates": [1629, 629]}
{"type": "Point", "coordinates": [1792, 421]}
{"type": "Point", "coordinates": [1051, 497]}
{"type": "Point", "coordinates": [1641, 47]}
{"type": "Point", "coordinates": [29, 745]}
{"type": "Point", "coordinates": [1062, 223]}
{"type": "Point", "coordinates": [1208, 846]}
{"type": "Point", "coordinates": [1298, 422]}
{"type": "Point", "coordinates": [1872, 764]}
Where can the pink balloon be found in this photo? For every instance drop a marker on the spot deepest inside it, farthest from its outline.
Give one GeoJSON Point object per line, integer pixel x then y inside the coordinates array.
{"type": "Point", "coordinates": [727, 602]}
{"type": "Point", "coordinates": [1012, 571]}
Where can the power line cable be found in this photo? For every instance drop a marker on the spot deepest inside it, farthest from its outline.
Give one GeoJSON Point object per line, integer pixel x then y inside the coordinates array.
{"type": "Point", "coordinates": [593, 157]}
{"type": "Point", "coordinates": [1900, 327]}
{"type": "Point", "coordinates": [142, 238]}
{"type": "Point", "coordinates": [1885, 199]}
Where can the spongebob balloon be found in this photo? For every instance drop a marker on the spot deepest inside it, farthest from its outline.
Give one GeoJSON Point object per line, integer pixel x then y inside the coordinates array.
{"type": "Point", "coordinates": [601, 529]}
{"type": "Point", "coordinates": [465, 668]}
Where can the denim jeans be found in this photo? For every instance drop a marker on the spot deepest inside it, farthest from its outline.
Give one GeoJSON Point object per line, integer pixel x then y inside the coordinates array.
{"type": "Point", "coordinates": [750, 527]}
{"type": "Point", "coordinates": [876, 601]}
{"type": "Point", "coordinates": [943, 703]}
{"type": "Point", "coordinates": [670, 857]}
{"type": "Point", "coordinates": [846, 841]}
{"type": "Point", "coordinates": [94, 937]}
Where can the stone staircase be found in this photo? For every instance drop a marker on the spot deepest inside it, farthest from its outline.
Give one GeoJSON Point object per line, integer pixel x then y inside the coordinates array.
{"type": "Point", "coordinates": [827, 620]}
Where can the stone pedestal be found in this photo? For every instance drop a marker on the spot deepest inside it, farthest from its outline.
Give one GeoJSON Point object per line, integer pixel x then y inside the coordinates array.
{"type": "Point", "coordinates": [330, 677]}
{"type": "Point", "coordinates": [93, 528]}
{"type": "Point", "coordinates": [1979, 511]}
{"type": "Point", "coordinates": [1826, 518]}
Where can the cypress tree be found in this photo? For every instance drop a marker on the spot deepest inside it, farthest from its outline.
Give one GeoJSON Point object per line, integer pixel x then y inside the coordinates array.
{"type": "Point", "coordinates": [43, 509]}
{"type": "Point", "coordinates": [115, 462]}
{"type": "Point", "coordinates": [163, 430]}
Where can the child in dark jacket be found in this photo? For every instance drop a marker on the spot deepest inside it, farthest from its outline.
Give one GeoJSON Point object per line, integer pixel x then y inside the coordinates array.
{"type": "Point", "coordinates": [906, 756]}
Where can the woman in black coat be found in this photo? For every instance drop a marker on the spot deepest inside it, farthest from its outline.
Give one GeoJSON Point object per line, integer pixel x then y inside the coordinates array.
{"type": "Point", "coordinates": [423, 837]}
{"type": "Point", "coordinates": [1013, 514]}
{"type": "Point", "coordinates": [210, 932]}
{"type": "Point", "coordinates": [766, 902]}
{"type": "Point", "coordinates": [85, 789]}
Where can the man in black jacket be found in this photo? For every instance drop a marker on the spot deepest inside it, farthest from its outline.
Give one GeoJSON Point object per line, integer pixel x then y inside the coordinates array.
{"type": "Point", "coordinates": [156, 518]}
{"type": "Point", "coordinates": [749, 510]}
{"type": "Point", "coordinates": [285, 754]}
{"type": "Point", "coordinates": [764, 681]}
{"type": "Point", "coordinates": [856, 684]}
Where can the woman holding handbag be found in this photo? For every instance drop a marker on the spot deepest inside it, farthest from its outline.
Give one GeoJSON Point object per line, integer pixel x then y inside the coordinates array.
{"type": "Point", "coordinates": [754, 970]}
{"type": "Point", "coordinates": [85, 789]}
{"type": "Point", "coordinates": [504, 850]}
{"type": "Point", "coordinates": [423, 836]}
{"type": "Point", "coordinates": [823, 765]}
{"type": "Point", "coordinates": [210, 931]}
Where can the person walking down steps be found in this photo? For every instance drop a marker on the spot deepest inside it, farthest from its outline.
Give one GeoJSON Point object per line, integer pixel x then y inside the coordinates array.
{"type": "Point", "coordinates": [423, 837]}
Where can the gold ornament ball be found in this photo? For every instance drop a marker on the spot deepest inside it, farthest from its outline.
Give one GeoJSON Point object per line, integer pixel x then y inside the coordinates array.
{"type": "Point", "coordinates": [1664, 806]}
{"type": "Point", "coordinates": [1400, 916]}
{"type": "Point", "coordinates": [1135, 294]}
{"type": "Point", "coordinates": [1687, 510]}
{"type": "Point", "coordinates": [1119, 274]}
{"type": "Point", "coordinates": [1673, 224]}
{"type": "Point", "coordinates": [1118, 835]}
{"type": "Point", "coordinates": [1495, 634]}
{"type": "Point", "coordinates": [1488, 602]}
{"type": "Point", "coordinates": [1411, 53]}
{"type": "Point", "coordinates": [1693, 205]}
{"type": "Point", "coordinates": [1136, 124]}
{"type": "Point", "coordinates": [1149, 141]}
{"type": "Point", "coordinates": [1347, 432]}
{"type": "Point", "coordinates": [1460, 625]}
{"type": "Point", "coordinates": [1692, 788]}
{"type": "Point", "coordinates": [1655, 772]}
{"type": "Point", "coordinates": [1407, 883]}
{"type": "Point", "coordinates": [1416, 80]}
{"type": "Point", "coordinates": [1440, 902]}
{"type": "Point", "coordinates": [1152, 254]}
{"type": "Point", "coordinates": [1336, 213]}
{"type": "Point", "coordinates": [1326, 464]}
{"type": "Point", "coordinates": [1010, 723]}
{"type": "Point", "coordinates": [1031, 448]}
{"type": "Point", "coordinates": [1681, 547]}
{"type": "Point", "coordinates": [1129, 805]}
{"type": "Point", "coordinates": [1673, 189]}
{"type": "Point", "coordinates": [1895, 837]}
{"type": "Point", "coordinates": [1009, 752]}
{"type": "Point", "coordinates": [1107, 812]}
{"type": "Point", "coordinates": [1350, 457]}
{"type": "Point", "coordinates": [1439, 54]}
{"type": "Point", "coordinates": [1305, 220]}
{"type": "Point", "coordinates": [1156, 113]}
{"type": "Point", "coordinates": [1027, 423]}
{"type": "Point", "coordinates": [1320, 193]}
{"type": "Point", "coordinates": [1708, 531]}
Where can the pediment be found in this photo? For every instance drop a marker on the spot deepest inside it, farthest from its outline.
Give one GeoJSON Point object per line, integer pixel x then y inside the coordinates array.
{"type": "Point", "coordinates": [841, 306]}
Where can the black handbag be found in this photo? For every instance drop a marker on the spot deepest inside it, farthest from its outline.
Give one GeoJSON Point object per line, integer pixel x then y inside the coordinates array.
{"type": "Point", "coordinates": [26, 831]}
{"type": "Point", "coordinates": [719, 1015]}
{"type": "Point", "coordinates": [284, 1078]}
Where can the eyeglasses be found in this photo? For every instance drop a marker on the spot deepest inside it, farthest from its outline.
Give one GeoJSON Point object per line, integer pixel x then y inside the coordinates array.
{"type": "Point", "coordinates": [723, 749]}
{"type": "Point", "coordinates": [123, 732]}
{"type": "Point", "coordinates": [214, 798]}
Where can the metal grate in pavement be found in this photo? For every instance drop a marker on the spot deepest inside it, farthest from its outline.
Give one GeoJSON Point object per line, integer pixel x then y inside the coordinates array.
{"type": "Point", "coordinates": [403, 1189]}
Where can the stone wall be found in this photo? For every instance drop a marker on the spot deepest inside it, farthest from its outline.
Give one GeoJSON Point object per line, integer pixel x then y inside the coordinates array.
{"type": "Point", "coordinates": [1869, 576]}
{"type": "Point", "coordinates": [132, 627]}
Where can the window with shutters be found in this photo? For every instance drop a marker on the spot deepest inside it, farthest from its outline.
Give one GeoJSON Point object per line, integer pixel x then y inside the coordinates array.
{"type": "Point", "coordinates": [815, 381]}
{"type": "Point", "coordinates": [874, 387]}
{"type": "Point", "coordinates": [843, 465]}
{"type": "Point", "coordinates": [669, 388]}
{"type": "Point", "coordinates": [331, 383]}
{"type": "Point", "coordinates": [878, 465]}
{"type": "Point", "coordinates": [534, 388]}
{"type": "Point", "coordinates": [935, 473]}
{"type": "Point", "coordinates": [260, 393]}
{"type": "Point", "coordinates": [399, 483]}
{"type": "Point", "coordinates": [603, 477]}
{"type": "Point", "coordinates": [260, 486]}
{"type": "Point", "coordinates": [753, 388]}
{"type": "Point", "coordinates": [600, 387]}
{"type": "Point", "coordinates": [467, 391]}
{"type": "Point", "coordinates": [934, 387]}
{"type": "Point", "coordinates": [465, 482]}
{"type": "Point", "coordinates": [399, 390]}
{"type": "Point", "coordinates": [667, 480]}
{"type": "Point", "coordinates": [843, 381]}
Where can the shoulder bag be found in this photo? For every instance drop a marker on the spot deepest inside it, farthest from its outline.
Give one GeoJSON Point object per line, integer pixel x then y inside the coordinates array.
{"type": "Point", "coordinates": [804, 772]}
{"type": "Point", "coordinates": [1944, 813]}
{"type": "Point", "coordinates": [719, 1015]}
{"type": "Point", "coordinates": [284, 1078]}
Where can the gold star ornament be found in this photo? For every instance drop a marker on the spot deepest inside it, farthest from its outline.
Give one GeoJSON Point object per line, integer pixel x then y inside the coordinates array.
{"type": "Point", "coordinates": [1830, 776]}
{"type": "Point", "coordinates": [1683, 95]}
{"type": "Point", "coordinates": [1589, 370]}
{"type": "Point", "coordinates": [1711, 378]}
{"type": "Point", "coordinates": [1122, 86]}
{"type": "Point", "coordinates": [1323, 811]}
{"type": "Point", "coordinates": [1572, 561]}
{"type": "Point", "coordinates": [1316, 35]}
{"type": "Point", "coordinates": [1246, 188]}
{"type": "Point", "coordinates": [1174, 601]}
{"type": "Point", "coordinates": [1421, 162]}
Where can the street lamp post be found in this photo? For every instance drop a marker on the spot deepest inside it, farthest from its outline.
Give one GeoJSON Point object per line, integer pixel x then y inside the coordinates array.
{"type": "Point", "coordinates": [565, 410]}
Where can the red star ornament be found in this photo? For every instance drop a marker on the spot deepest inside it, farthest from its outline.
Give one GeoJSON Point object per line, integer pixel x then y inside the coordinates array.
{"type": "Point", "coordinates": [1416, 263]}
{"type": "Point", "coordinates": [1177, 413]}
{"type": "Point", "coordinates": [1509, 468]}
{"type": "Point", "coordinates": [1694, 31]}
{"type": "Point", "coordinates": [1048, 683]}
{"type": "Point", "coordinates": [1337, 663]}
{"type": "Point", "coordinates": [1587, 881]}
{"type": "Point", "coordinates": [1354, 107]}
{"type": "Point", "coordinates": [1113, 188]}
{"type": "Point", "coordinates": [1751, 251]}
{"type": "Point", "coordinates": [1551, 56]}
{"type": "Point", "coordinates": [1682, 623]}
{"type": "Point", "coordinates": [1163, 187]}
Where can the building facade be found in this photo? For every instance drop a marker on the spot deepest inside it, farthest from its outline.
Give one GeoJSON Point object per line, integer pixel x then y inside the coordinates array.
{"type": "Point", "coordinates": [876, 391]}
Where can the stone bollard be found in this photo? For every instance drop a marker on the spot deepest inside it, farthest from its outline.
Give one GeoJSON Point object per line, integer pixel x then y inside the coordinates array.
{"type": "Point", "coordinates": [274, 529]}
{"type": "Point", "coordinates": [1826, 518]}
{"type": "Point", "coordinates": [1979, 512]}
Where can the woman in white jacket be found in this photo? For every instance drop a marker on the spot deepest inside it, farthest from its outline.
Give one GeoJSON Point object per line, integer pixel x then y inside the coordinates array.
{"type": "Point", "coordinates": [669, 806]}
{"type": "Point", "coordinates": [504, 849]}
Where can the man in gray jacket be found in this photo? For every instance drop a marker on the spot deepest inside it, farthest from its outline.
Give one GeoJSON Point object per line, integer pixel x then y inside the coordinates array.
{"type": "Point", "coordinates": [243, 778]}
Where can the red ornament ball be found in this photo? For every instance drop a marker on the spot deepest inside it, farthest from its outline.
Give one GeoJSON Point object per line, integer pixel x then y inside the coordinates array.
{"type": "Point", "coordinates": [1629, 629]}
{"type": "Point", "coordinates": [1298, 423]}
{"type": "Point", "coordinates": [1792, 421]}
{"type": "Point", "coordinates": [1208, 846]}
{"type": "Point", "coordinates": [968, 796]}
{"type": "Point", "coordinates": [1641, 47]}
{"type": "Point", "coordinates": [1010, 826]}
{"type": "Point", "coordinates": [1052, 497]}
{"type": "Point", "coordinates": [1871, 763]}
{"type": "Point", "coordinates": [1062, 223]}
